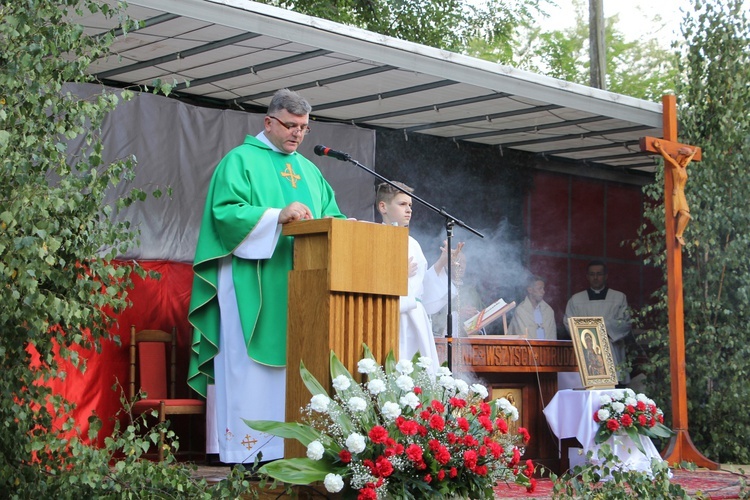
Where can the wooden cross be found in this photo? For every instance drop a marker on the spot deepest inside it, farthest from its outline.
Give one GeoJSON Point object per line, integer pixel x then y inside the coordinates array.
{"type": "Point", "coordinates": [680, 447]}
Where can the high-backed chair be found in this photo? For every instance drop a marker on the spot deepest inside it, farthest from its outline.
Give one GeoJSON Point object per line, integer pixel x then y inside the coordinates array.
{"type": "Point", "coordinates": [153, 357]}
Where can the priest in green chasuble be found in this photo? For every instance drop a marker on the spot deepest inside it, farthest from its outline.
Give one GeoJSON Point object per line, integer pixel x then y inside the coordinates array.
{"type": "Point", "coordinates": [238, 307]}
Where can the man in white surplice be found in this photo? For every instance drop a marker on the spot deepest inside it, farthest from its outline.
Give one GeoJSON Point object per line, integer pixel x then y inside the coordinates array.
{"type": "Point", "coordinates": [601, 301]}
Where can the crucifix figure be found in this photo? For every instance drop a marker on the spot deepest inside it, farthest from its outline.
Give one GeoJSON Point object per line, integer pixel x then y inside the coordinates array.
{"type": "Point", "coordinates": [678, 168]}
{"type": "Point", "coordinates": [677, 214]}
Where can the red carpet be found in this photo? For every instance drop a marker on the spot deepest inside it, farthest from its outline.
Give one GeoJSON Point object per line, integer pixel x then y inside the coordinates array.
{"type": "Point", "coordinates": [711, 484]}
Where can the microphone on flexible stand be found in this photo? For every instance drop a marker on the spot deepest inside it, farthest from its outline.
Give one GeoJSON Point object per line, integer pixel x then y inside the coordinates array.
{"type": "Point", "coordinates": [321, 150]}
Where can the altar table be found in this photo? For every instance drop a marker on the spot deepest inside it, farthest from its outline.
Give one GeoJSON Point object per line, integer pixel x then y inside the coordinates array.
{"type": "Point", "coordinates": [570, 414]}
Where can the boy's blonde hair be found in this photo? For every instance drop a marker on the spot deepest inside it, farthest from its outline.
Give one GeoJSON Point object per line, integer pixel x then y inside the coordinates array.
{"type": "Point", "coordinates": [385, 192]}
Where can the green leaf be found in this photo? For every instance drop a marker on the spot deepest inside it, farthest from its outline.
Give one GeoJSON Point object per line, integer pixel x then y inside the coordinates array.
{"type": "Point", "coordinates": [632, 433]}
{"type": "Point", "coordinates": [298, 470]}
{"type": "Point", "coordinates": [287, 430]}
{"type": "Point", "coordinates": [310, 381]}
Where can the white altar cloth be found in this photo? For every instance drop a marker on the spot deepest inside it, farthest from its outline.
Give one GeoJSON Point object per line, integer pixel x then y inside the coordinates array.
{"type": "Point", "coordinates": [570, 414]}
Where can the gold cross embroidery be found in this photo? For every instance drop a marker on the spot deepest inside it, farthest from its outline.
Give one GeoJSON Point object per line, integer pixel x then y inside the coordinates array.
{"type": "Point", "coordinates": [289, 173]}
{"type": "Point", "coordinates": [249, 442]}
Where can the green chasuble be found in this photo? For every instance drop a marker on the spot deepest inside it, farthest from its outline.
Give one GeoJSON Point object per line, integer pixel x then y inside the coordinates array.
{"type": "Point", "coordinates": [249, 180]}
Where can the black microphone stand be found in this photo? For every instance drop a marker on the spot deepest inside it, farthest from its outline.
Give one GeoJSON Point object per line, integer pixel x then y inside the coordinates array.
{"type": "Point", "coordinates": [450, 221]}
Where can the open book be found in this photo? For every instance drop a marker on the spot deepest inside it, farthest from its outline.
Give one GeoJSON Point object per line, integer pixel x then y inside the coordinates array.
{"type": "Point", "coordinates": [487, 315]}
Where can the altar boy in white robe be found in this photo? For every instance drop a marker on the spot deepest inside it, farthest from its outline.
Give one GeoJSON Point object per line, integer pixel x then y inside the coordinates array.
{"type": "Point", "coordinates": [601, 301]}
{"type": "Point", "coordinates": [427, 288]}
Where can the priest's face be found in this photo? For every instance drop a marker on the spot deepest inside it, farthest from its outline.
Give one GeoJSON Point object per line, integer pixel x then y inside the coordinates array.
{"type": "Point", "coordinates": [597, 277]}
{"type": "Point", "coordinates": [397, 211]}
{"type": "Point", "coordinates": [285, 130]}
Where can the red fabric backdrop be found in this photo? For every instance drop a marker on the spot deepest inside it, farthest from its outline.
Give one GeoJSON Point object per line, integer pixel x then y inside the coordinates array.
{"type": "Point", "coordinates": [157, 304]}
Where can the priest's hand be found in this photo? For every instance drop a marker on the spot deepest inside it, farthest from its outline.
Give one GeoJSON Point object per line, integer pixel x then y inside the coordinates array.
{"type": "Point", "coordinates": [294, 211]}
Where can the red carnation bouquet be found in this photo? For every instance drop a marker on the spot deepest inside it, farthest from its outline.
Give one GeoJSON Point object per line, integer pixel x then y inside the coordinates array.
{"type": "Point", "coordinates": [631, 414]}
{"type": "Point", "coordinates": [402, 433]}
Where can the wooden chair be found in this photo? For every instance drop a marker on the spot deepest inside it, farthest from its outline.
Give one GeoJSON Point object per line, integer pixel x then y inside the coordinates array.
{"type": "Point", "coordinates": [148, 353]}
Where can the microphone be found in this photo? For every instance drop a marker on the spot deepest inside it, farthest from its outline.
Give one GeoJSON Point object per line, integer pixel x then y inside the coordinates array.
{"type": "Point", "coordinates": [321, 150]}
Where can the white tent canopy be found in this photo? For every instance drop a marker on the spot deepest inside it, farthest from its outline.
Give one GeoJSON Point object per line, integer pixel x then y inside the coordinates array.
{"type": "Point", "coordinates": [236, 53]}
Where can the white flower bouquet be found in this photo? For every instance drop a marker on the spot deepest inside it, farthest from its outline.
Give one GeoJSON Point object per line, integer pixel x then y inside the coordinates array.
{"type": "Point", "coordinates": [402, 433]}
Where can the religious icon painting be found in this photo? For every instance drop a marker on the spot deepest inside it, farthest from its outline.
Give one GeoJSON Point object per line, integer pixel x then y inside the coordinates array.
{"type": "Point", "coordinates": [596, 364]}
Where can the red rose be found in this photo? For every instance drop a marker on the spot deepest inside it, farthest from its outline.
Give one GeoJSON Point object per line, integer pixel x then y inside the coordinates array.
{"type": "Point", "coordinates": [414, 453]}
{"type": "Point", "coordinates": [463, 424]}
{"type": "Point", "coordinates": [496, 449]}
{"type": "Point", "coordinates": [378, 434]}
{"type": "Point", "coordinates": [417, 391]}
{"type": "Point", "coordinates": [345, 456]}
{"type": "Point", "coordinates": [485, 408]}
{"type": "Point", "coordinates": [441, 475]}
{"type": "Point", "coordinates": [407, 427]}
{"type": "Point", "coordinates": [529, 471]}
{"type": "Point", "coordinates": [525, 433]}
{"type": "Point", "coordinates": [642, 420]}
{"type": "Point", "coordinates": [437, 406]}
{"type": "Point", "coordinates": [442, 455]}
{"type": "Point", "coordinates": [485, 422]}
{"type": "Point", "coordinates": [641, 406]}
{"type": "Point", "coordinates": [470, 459]}
{"type": "Point", "coordinates": [532, 485]}
{"type": "Point", "coordinates": [481, 470]}
{"type": "Point", "coordinates": [453, 472]}
{"type": "Point", "coordinates": [458, 402]}
{"type": "Point", "coordinates": [428, 478]}
{"type": "Point", "coordinates": [516, 458]}
{"type": "Point", "coordinates": [631, 409]}
{"type": "Point", "coordinates": [367, 493]}
{"type": "Point", "coordinates": [383, 467]}
{"type": "Point", "coordinates": [626, 420]}
{"type": "Point", "coordinates": [437, 423]}
{"type": "Point", "coordinates": [425, 415]}
{"type": "Point", "coordinates": [501, 425]}
{"type": "Point", "coordinates": [613, 424]}
{"type": "Point", "coordinates": [596, 416]}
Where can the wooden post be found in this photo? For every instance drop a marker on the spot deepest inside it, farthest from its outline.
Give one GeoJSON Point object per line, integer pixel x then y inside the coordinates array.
{"type": "Point", "coordinates": [680, 447]}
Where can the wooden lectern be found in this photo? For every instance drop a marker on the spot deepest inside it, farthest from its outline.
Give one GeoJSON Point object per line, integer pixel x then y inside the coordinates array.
{"type": "Point", "coordinates": [344, 291]}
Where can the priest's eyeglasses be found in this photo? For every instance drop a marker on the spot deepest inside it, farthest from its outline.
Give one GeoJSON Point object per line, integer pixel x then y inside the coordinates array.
{"type": "Point", "coordinates": [291, 127]}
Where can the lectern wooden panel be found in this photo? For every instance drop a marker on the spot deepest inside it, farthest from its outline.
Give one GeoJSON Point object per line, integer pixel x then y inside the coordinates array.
{"type": "Point", "coordinates": [344, 291]}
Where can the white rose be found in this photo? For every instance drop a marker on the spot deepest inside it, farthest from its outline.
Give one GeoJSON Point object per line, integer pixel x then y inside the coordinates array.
{"type": "Point", "coordinates": [424, 362]}
{"type": "Point", "coordinates": [480, 389]}
{"type": "Point", "coordinates": [462, 388]}
{"type": "Point", "coordinates": [405, 383]}
{"type": "Point", "coordinates": [404, 367]}
{"type": "Point", "coordinates": [390, 411]}
{"type": "Point", "coordinates": [630, 401]}
{"type": "Point", "coordinates": [602, 414]}
{"type": "Point", "coordinates": [641, 397]}
{"type": "Point", "coordinates": [357, 404]}
{"type": "Point", "coordinates": [367, 365]}
{"type": "Point", "coordinates": [410, 399]}
{"type": "Point", "coordinates": [320, 402]}
{"type": "Point", "coordinates": [315, 450]}
{"type": "Point", "coordinates": [447, 382]}
{"type": "Point", "coordinates": [341, 383]}
{"type": "Point", "coordinates": [503, 404]}
{"type": "Point", "coordinates": [355, 443]}
{"type": "Point", "coordinates": [618, 407]}
{"type": "Point", "coordinates": [443, 370]}
{"type": "Point", "coordinates": [629, 393]}
{"type": "Point", "coordinates": [376, 386]}
{"type": "Point", "coordinates": [333, 483]}
{"type": "Point", "coordinates": [513, 413]}
{"type": "Point", "coordinates": [604, 399]}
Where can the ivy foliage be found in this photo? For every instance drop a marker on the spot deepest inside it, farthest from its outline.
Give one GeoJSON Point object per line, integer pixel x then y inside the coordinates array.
{"type": "Point", "coordinates": [444, 24]}
{"type": "Point", "coordinates": [59, 287]}
{"type": "Point", "coordinates": [714, 98]}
